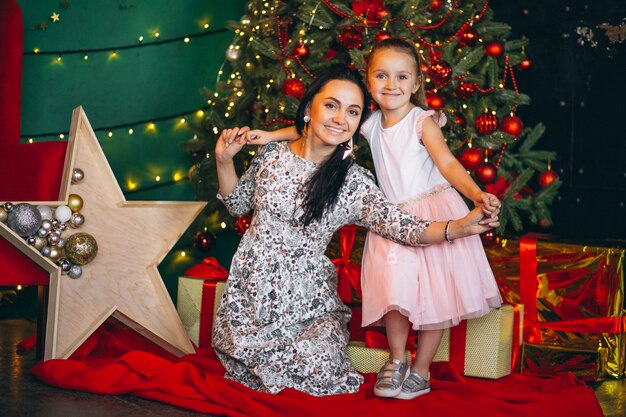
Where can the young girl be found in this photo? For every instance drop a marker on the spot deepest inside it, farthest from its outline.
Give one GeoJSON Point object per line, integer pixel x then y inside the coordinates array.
{"type": "Point", "coordinates": [425, 288]}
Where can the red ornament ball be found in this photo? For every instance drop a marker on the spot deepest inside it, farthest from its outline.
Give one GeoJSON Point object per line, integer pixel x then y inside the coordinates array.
{"type": "Point", "coordinates": [204, 241]}
{"type": "Point", "coordinates": [459, 120]}
{"type": "Point", "coordinates": [465, 90]}
{"type": "Point", "coordinates": [471, 158]}
{"type": "Point", "coordinates": [382, 12]}
{"type": "Point", "coordinates": [525, 64]}
{"type": "Point", "coordinates": [351, 37]}
{"type": "Point", "coordinates": [468, 37]}
{"type": "Point", "coordinates": [512, 125]}
{"type": "Point", "coordinates": [382, 35]}
{"type": "Point", "coordinates": [242, 224]}
{"type": "Point", "coordinates": [301, 50]}
{"type": "Point", "coordinates": [435, 101]}
{"type": "Point", "coordinates": [546, 178]}
{"type": "Point", "coordinates": [486, 173]}
{"type": "Point", "coordinates": [486, 123]}
{"type": "Point", "coordinates": [293, 88]}
{"type": "Point", "coordinates": [490, 238]}
{"type": "Point", "coordinates": [494, 48]}
{"type": "Point", "coordinates": [435, 5]}
{"type": "Point", "coordinates": [440, 72]}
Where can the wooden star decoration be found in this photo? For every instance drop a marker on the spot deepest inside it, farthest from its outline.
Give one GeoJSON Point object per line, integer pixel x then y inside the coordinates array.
{"type": "Point", "coordinates": [123, 280]}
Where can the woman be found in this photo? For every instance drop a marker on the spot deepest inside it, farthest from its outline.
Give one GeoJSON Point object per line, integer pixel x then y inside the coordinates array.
{"type": "Point", "coordinates": [281, 323]}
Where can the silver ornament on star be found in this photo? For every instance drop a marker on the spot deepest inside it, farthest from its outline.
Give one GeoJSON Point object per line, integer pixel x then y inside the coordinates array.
{"type": "Point", "coordinates": [24, 219]}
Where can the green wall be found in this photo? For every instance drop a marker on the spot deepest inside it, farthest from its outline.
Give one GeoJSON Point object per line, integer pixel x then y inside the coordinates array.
{"type": "Point", "coordinates": [140, 84]}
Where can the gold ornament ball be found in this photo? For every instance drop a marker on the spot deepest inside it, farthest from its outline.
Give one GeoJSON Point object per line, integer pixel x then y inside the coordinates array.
{"type": "Point", "coordinates": [40, 242]}
{"type": "Point", "coordinates": [3, 215]}
{"type": "Point", "coordinates": [55, 253]}
{"type": "Point", "coordinates": [81, 248]}
{"type": "Point", "coordinates": [75, 202]}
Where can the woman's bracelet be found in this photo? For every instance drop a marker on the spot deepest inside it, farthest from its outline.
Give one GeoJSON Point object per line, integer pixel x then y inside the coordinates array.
{"type": "Point", "coordinates": [446, 232]}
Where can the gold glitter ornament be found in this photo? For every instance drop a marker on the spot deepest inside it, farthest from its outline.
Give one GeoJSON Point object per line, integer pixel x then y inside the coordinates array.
{"type": "Point", "coordinates": [81, 248]}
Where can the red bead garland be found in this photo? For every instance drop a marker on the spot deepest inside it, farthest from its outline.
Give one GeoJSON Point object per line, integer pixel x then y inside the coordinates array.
{"type": "Point", "coordinates": [468, 37]}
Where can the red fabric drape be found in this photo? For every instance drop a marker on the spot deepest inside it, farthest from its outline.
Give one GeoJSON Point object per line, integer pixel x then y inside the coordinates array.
{"type": "Point", "coordinates": [30, 172]}
{"type": "Point", "coordinates": [119, 361]}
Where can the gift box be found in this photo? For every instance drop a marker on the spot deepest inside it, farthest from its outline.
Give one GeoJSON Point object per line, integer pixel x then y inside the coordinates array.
{"type": "Point", "coordinates": [368, 360]}
{"type": "Point", "coordinates": [348, 272]}
{"type": "Point", "coordinates": [573, 293]}
{"type": "Point", "coordinates": [485, 347]}
{"type": "Point", "coordinates": [357, 332]}
{"type": "Point", "coordinates": [546, 360]}
{"type": "Point", "coordinates": [199, 294]}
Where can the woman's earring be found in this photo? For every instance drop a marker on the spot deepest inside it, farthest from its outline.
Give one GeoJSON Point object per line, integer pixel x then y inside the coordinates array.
{"type": "Point", "coordinates": [306, 119]}
{"type": "Point", "coordinates": [348, 148]}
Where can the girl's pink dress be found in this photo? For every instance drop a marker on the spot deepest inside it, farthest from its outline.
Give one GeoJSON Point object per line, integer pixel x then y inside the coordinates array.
{"type": "Point", "coordinates": [435, 286]}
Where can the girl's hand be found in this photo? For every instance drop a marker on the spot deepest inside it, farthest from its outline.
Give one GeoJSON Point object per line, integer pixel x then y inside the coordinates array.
{"type": "Point", "coordinates": [259, 137]}
{"type": "Point", "coordinates": [473, 223]}
{"type": "Point", "coordinates": [229, 143]}
{"type": "Point", "coordinates": [487, 202]}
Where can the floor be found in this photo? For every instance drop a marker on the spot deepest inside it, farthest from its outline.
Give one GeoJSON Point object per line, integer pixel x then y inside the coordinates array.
{"type": "Point", "coordinates": [24, 396]}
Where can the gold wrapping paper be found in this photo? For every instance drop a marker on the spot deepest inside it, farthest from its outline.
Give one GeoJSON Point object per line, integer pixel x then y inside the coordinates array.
{"type": "Point", "coordinates": [575, 281]}
{"type": "Point", "coordinates": [369, 360]}
{"type": "Point", "coordinates": [546, 360]}
{"type": "Point", "coordinates": [189, 305]}
{"type": "Point", "coordinates": [488, 344]}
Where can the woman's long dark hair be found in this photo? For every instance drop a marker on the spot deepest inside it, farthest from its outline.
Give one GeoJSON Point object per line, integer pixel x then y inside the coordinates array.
{"type": "Point", "coordinates": [323, 187]}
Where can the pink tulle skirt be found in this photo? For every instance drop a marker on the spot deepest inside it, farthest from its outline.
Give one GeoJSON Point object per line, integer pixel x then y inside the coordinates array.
{"type": "Point", "coordinates": [435, 286]}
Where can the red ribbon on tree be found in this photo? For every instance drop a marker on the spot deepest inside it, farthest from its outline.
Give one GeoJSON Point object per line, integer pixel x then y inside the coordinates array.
{"type": "Point", "coordinates": [528, 297]}
{"type": "Point", "coordinates": [348, 273]}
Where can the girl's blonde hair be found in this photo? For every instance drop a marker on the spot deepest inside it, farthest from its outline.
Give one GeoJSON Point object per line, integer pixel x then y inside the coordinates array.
{"type": "Point", "coordinates": [407, 47]}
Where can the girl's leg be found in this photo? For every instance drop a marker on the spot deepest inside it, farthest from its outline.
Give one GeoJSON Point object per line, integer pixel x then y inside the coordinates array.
{"type": "Point", "coordinates": [427, 345]}
{"type": "Point", "coordinates": [390, 378]}
{"type": "Point", "coordinates": [397, 326]}
{"type": "Point", "coordinates": [418, 381]}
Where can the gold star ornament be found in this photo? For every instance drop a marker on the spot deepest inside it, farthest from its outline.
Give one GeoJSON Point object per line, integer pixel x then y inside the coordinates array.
{"type": "Point", "coordinates": [132, 239]}
{"type": "Point", "coordinates": [55, 17]}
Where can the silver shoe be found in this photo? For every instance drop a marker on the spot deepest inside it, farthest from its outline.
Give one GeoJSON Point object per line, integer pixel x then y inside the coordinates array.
{"type": "Point", "coordinates": [389, 379]}
{"type": "Point", "coordinates": [413, 386]}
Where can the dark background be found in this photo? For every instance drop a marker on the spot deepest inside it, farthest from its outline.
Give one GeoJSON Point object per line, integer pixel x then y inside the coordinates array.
{"type": "Point", "coordinates": [577, 91]}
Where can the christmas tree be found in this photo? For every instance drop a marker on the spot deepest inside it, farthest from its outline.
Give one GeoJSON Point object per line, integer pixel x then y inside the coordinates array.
{"type": "Point", "coordinates": [279, 47]}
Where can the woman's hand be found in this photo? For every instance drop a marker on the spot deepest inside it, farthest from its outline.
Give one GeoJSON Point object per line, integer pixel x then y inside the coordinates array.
{"type": "Point", "coordinates": [229, 143]}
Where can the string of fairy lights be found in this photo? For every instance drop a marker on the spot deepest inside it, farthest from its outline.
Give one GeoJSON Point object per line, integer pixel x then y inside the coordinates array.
{"type": "Point", "coordinates": [179, 120]}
